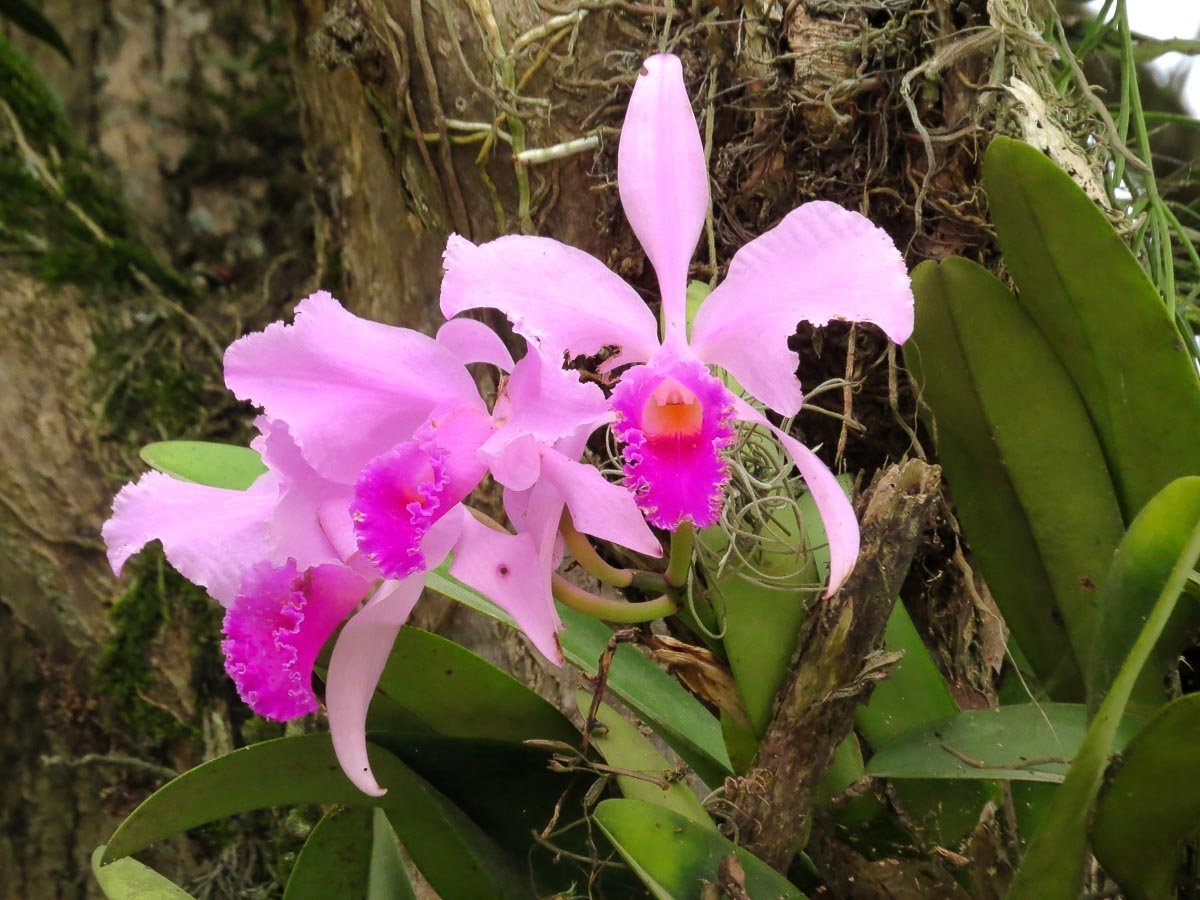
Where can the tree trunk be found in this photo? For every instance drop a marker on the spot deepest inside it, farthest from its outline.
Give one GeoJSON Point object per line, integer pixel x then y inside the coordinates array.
{"type": "Point", "coordinates": [337, 146]}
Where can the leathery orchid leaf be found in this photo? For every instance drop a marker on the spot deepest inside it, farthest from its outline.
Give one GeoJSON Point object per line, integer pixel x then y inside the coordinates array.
{"type": "Point", "coordinates": [1150, 803]}
{"type": "Point", "coordinates": [204, 462]}
{"type": "Point", "coordinates": [458, 694]}
{"type": "Point", "coordinates": [674, 856]}
{"type": "Point", "coordinates": [1030, 482]}
{"type": "Point", "coordinates": [690, 729]}
{"type": "Point", "coordinates": [451, 851]}
{"type": "Point", "coordinates": [1155, 559]}
{"type": "Point", "coordinates": [626, 748]}
{"type": "Point", "coordinates": [128, 879]}
{"type": "Point", "coordinates": [1082, 285]}
{"type": "Point", "coordinates": [351, 853]}
{"type": "Point", "coordinates": [1026, 742]}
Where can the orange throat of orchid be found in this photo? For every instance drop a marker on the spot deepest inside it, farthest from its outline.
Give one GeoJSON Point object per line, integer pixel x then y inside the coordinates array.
{"type": "Point", "coordinates": [672, 411]}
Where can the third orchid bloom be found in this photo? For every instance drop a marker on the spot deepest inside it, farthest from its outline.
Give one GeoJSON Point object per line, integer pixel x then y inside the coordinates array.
{"type": "Point", "coordinates": [673, 416]}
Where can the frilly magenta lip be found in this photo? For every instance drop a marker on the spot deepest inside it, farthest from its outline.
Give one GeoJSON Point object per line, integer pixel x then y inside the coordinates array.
{"type": "Point", "coordinates": [674, 419]}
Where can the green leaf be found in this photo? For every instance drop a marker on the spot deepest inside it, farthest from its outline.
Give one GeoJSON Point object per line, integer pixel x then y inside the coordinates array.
{"type": "Point", "coordinates": [457, 858]}
{"type": "Point", "coordinates": [624, 747]}
{"type": "Point", "coordinates": [351, 853]}
{"type": "Point", "coordinates": [1022, 460]}
{"type": "Point", "coordinates": [1155, 559]}
{"type": "Point", "coordinates": [1028, 742]}
{"type": "Point", "coordinates": [675, 857]}
{"type": "Point", "coordinates": [1150, 803]}
{"type": "Point", "coordinates": [128, 879]}
{"type": "Point", "coordinates": [913, 696]}
{"type": "Point", "coordinates": [217, 465]}
{"type": "Point", "coordinates": [458, 694]}
{"type": "Point", "coordinates": [30, 19]}
{"type": "Point", "coordinates": [658, 699]}
{"type": "Point", "coordinates": [762, 623]}
{"type": "Point", "coordinates": [1102, 315]}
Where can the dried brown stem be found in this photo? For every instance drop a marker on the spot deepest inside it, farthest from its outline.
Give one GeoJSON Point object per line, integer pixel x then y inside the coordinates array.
{"type": "Point", "coordinates": [835, 669]}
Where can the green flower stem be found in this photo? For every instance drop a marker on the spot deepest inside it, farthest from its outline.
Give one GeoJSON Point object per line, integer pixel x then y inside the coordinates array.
{"type": "Point", "coordinates": [680, 561]}
{"type": "Point", "coordinates": [585, 554]}
{"type": "Point", "coordinates": [610, 610]}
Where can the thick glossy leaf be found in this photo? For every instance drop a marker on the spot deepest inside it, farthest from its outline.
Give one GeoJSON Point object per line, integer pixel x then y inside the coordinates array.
{"type": "Point", "coordinates": [217, 465]}
{"type": "Point", "coordinates": [457, 858]}
{"type": "Point", "coordinates": [128, 879]}
{"type": "Point", "coordinates": [913, 696]}
{"type": "Point", "coordinates": [1030, 742]}
{"type": "Point", "coordinates": [457, 694]}
{"type": "Point", "coordinates": [351, 853]}
{"type": "Point", "coordinates": [1150, 803]}
{"type": "Point", "coordinates": [691, 730]}
{"type": "Point", "coordinates": [761, 620]}
{"type": "Point", "coordinates": [1081, 284]}
{"type": "Point", "coordinates": [1155, 558]}
{"type": "Point", "coordinates": [1026, 470]}
{"type": "Point", "coordinates": [626, 748]}
{"type": "Point", "coordinates": [30, 19]}
{"type": "Point", "coordinates": [675, 857]}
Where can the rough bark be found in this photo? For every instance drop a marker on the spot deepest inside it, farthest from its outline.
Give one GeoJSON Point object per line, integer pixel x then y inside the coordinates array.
{"type": "Point", "coordinates": [837, 664]}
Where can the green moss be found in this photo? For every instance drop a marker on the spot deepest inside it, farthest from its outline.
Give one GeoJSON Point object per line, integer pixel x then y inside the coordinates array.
{"type": "Point", "coordinates": [124, 673]}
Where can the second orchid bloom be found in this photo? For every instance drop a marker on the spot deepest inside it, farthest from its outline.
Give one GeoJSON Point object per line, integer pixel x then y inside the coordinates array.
{"type": "Point", "coordinates": [374, 436]}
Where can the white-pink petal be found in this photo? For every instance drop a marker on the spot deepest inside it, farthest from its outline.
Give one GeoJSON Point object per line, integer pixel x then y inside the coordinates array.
{"type": "Point", "coordinates": [837, 514]}
{"type": "Point", "coordinates": [555, 296]}
{"type": "Point", "coordinates": [663, 179]}
{"type": "Point", "coordinates": [599, 507]}
{"type": "Point", "coordinates": [473, 342]}
{"type": "Point", "coordinates": [210, 535]}
{"type": "Point", "coordinates": [508, 570]}
{"type": "Point", "coordinates": [358, 661]}
{"type": "Point", "coordinates": [348, 388]}
{"type": "Point", "coordinates": [822, 262]}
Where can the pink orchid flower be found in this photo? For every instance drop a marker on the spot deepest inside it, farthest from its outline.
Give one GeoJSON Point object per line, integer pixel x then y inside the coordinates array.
{"type": "Point", "coordinates": [673, 416]}
{"type": "Point", "coordinates": [372, 436]}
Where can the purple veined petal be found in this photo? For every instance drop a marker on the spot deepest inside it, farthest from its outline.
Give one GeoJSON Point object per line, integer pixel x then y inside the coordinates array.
{"type": "Point", "coordinates": [348, 388]}
{"type": "Point", "coordinates": [820, 263]}
{"type": "Point", "coordinates": [555, 296]}
{"type": "Point", "coordinates": [312, 515]}
{"type": "Point", "coordinates": [841, 525]}
{"type": "Point", "coordinates": [275, 627]}
{"type": "Point", "coordinates": [403, 492]}
{"type": "Point", "coordinates": [663, 179]}
{"type": "Point", "coordinates": [507, 569]}
{"type": "Point", "coordinates": [473, 342]}
{"type": "Point", "coordinates": [674, 419]}
{"type": "Point", "coordinates": [210, 535]}
{"type": "Point", "coordinates": [358, 660]}
{"type": "Point", "coordinates": [598, 507]}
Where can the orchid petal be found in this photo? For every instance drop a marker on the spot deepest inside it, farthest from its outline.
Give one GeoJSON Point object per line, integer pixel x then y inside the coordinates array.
{"type": "Point", "coordinates": [348, 389]}
{"type": "Point", "coordinates": [473, 342]}
{"type": "Point", "coordinates": [663, 179]}
{"type": "Point", "coordinates": [557, 297]}
{"type": "Point", "coordinates": [549, 402]}
{"type": "Point", "coordinates": [275, 628]}
{"type": "Point", "coordinates": [507, 569]}
{"type": "Point", "coordinates": [820, 263]}
{"type": "Point", "coordinates": [358, 660]}
{"type": "Point", "coordinates": [599, 507]}
{"type": "Point", "coordinates": [313, 513]}
{"type": "Point", "coordinates": [841, 525]}
{"type": "Point", "coordinates": [210, 535]}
